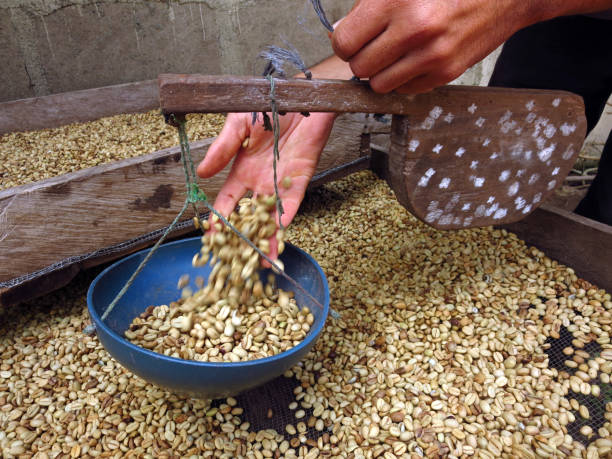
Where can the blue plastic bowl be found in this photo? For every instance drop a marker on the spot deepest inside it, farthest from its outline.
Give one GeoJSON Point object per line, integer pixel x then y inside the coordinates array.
{"type": "Point", "coordinates": [156, 285]}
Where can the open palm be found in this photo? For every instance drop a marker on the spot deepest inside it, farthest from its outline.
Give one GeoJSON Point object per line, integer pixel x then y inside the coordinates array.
{"type": "Point", "coordinates": [301, 141]}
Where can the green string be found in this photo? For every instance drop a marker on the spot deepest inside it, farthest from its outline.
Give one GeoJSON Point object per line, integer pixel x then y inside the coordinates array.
{"type": "Point", "coordinates": [194, 192]}
{"type": "Point", "coordinates": [194, 195]}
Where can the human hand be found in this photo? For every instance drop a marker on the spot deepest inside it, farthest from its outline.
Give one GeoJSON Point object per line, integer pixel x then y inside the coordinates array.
{"type": "Point", "coordinates": [413, 46]}
{"type": "Point", "coordinates": [301, 142]}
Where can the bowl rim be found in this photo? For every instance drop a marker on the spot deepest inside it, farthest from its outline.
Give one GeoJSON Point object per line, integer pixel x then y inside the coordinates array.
{"type": "Point", "coordinates": [97, 319]}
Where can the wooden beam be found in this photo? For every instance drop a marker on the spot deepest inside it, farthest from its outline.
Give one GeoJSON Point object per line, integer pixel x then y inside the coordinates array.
{"type": "Point", "coordinates": [181, 94]}
{"type": "Point", "coordinates": [77, 106]}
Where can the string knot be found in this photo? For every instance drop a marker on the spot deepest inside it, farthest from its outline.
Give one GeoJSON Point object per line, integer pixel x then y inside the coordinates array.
{"type": "Point", "coordinates": [196, 194]}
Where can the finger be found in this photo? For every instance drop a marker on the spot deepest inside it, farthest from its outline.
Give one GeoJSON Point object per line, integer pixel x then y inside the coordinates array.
{"type": "Point", "coordinates": [229, 195]}
{"type": "Point", "coordinates": [388, 47]}
{"type": "Point", "coordinates": [402, 72]}
{"type": "Point", "coordinates": [291, 203]}
{"type": "Point", "coordinates": [273, 254]}
{"type": "Point", "coordinates": [225, 147]}
{"type": "Point", "coordinates": [364, 23]}
{"type": "Point", "coordinates": [418, 85]}
{"type": "Point", "coordinates": [334, 26]}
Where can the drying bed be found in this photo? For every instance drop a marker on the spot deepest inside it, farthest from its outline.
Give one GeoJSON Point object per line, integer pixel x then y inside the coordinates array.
{"type": "Point", "coordinates": [448, 344]}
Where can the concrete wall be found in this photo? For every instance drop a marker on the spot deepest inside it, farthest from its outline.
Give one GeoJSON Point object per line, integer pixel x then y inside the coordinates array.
{"type": "Point", "coordinates": [52, 46]}
{"type": "Point", "coordinates": [62, 45]}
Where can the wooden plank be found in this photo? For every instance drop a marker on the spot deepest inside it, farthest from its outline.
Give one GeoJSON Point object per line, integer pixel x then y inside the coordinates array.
{"type": "Point", "coordinates": [578, 242]}
{"type": "Point", "coordinates": [60, 275]}
{"type": "Point", "coordinates": [77, 106]}
{"type": "Point", "coordinates": [49, 222]}
{"type": "Point", "coordinates": [78, 213]}
{"type": "Point", "coordinates": [181, 94]}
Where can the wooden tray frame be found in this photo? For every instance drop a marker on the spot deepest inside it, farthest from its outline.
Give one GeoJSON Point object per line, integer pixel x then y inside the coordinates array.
{"type": "Point", "coordinates": [49, 230]}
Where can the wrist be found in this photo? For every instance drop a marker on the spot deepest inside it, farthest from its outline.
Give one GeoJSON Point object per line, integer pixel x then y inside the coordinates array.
{"type": "Point", "coordinates": [330, 68]}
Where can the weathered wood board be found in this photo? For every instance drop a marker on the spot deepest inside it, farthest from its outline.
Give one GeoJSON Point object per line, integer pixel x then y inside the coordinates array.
{"type": "Point", "coordinates": [464, 165]}
{"type": "Point", "coordinates": [62, 221]}
{"type": "Point", "coordinates": [578, 242]}
{"type": "Point", "coordinates": [77, 106]}
{"type": "Point", "coordinates": [182, 94]}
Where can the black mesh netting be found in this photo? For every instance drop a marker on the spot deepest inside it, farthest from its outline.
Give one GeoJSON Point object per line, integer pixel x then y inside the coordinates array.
{"type": "Point", "coordinates": [267, 407]}
{"type": "Point", "coordinates": [595, 405]}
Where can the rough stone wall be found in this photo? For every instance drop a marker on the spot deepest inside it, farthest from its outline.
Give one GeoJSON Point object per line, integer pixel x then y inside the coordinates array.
{"type": "Point", "coordinates": [52, 46]}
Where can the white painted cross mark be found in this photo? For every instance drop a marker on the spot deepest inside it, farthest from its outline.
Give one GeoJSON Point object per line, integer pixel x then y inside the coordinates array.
{"type": "Point", "coordinates": [567, 129]}
{"type": "Point", "coordinates": [513, 189]}
{"type": "Point", "coordinates": [445, 182]}
{"type": "Point", "coordinates": [547, 152]}
{"type": "Point", "coordinates": [534, 178]}
{"type": "Point", "coordinates": [424, 180]}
